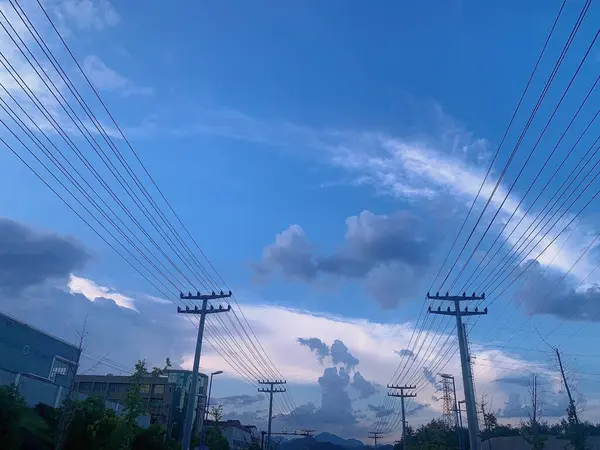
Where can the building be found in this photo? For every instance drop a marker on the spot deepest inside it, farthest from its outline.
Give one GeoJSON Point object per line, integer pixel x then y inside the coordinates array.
{"type": "Point", "coordinates": [239, 436]}
{"type": "Point", "coordinates": [157, 392]}
{"type": "Point", "coordinates": [182, 379]}
{"type": "Point", "coordinates": [167, 396]}
{"type": "Point", "coordinates": [40, 365]}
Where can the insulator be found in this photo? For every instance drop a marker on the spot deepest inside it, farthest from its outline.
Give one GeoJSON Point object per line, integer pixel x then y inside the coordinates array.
{"type": "Point", "coordinates": [476, 309]}
{"type": "Point", "coordinates": [221, 293]}
{"type": "Point", "coordinates": [187, 308]}
{"type": "Point", "coordinates": [448, 309]}
{"type": "Point", "coordinates": [196, 308]}
{"type": "Point", "coordinates": [213, 293]}
{"type": "Point", "coordinates": [439, 308]}
{"type": "Point", "coordinates": [464, 294]}
{"type": "Point", "coordinates": [220, 306]}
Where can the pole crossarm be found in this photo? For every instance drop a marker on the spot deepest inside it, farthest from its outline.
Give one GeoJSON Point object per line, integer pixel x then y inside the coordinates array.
{"type": "Point", "coordinates": [451, 312]}
{"type": "Point", "coordinates": [448, 297]}
{"type": "Point", "coordinates": [272, 382]}
{"type": "Point", "coordinates": [198, 296]}
{"type": "Point", "coordinates": [269, 390]}
{"type": "Point", "coordinates": [395, 386]}
{"type": "Point", "coordinates": [395, 394]}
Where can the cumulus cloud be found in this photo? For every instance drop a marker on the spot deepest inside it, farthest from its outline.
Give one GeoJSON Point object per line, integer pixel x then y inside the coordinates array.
{"type": "Point", "coordinates": [30, 258]}
{"type": "Point", "coordinates": [341, 355]}
{"type": "Point", "coordinates": [108, 79]}
{"type": "Point", "coordinates": [365, 388]}
{"type": "Point", "coordinates": [316, 345]}
{"type": "Point", "coordinates": [405, 352]}
{"type": "Point", "coordinates": [547, 291]}
{"type": "Point", "coordinates": [389, 253]}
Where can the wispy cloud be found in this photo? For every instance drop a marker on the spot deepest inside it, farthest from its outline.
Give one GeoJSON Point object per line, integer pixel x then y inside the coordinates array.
{"type": "Point", "coordinates": [444, 160]}
{"type": "Point", "coordinates": [108, 79]}
{"type": "Point", "coordinates": [92, 291]}
{"type": "Point", "coordinates": [89, 14]}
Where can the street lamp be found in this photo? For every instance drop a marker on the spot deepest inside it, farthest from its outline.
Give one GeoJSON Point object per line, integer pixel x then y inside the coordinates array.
{"type": "Point", "coordinates": [218, 372]}
{"type": "Point", "coordinates": [205, 413]}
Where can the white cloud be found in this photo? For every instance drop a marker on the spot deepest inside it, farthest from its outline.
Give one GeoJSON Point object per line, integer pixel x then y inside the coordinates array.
{"type": "Point", "coordinates": [446, 161]}
{"type": "Point", "coordinates": [107, 79]}
{"type": "Point", "coordinates": [373, 343]}
{"type": "Point", "coordinates": [93, 291]}
{"type": "Point", "coordinates": [90, 14]}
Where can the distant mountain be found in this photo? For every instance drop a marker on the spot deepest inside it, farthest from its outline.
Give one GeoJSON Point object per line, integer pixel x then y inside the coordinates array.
{"type": "Point", "coordinates": [333, 439]}
{"type": "Point", "coordinates": [307, 443]}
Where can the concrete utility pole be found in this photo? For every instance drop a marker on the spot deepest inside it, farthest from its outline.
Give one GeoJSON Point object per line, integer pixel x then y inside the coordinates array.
{"type": "Point", "coordinates": [271, 390]}
{"type": "Point", "coordinates": [375, 435]}
{"type": "Point", "coordinates": [474, 440]}
{"type": "Point", "coordinates": [402, 395]}
{"type": "Point", "coordinates": [458, 423]}
{"type": "Point", "coordinates": [202, 312]}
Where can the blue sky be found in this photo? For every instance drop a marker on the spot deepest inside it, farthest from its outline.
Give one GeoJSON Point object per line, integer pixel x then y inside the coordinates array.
{"type": "Point", "coordinates": [324, 155]}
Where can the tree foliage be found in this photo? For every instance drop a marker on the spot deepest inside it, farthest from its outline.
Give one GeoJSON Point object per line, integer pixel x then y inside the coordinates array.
{"type": "Point", "coordinates": [92, 425]}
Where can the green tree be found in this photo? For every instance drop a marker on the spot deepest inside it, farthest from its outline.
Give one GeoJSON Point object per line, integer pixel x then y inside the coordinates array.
{"type": "Point", "coordinates": [214, 438]}
{"type": "Point", "coordinates": [12, 410]}
{"type": "Point", "coordinates": [156, 371]}
{"type": "Point", "coordinates": [152, 438]}
{"type": "Point", "coordinates": [574, 430]}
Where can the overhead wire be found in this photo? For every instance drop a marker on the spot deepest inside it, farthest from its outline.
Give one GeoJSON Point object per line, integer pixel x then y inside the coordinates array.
{"type": "Point", "coordinates": [42, 78]}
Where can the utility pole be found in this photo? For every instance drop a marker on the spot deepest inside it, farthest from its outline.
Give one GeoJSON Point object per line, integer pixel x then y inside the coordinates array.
{"type": "Point", "coordinates": [445, 377]}
{"type": "Point", "coordinates": [375, 435]}
{"type": "Point", "coordinates": [562, 373]}
{"type": "Point", "coordinates": [271, 390]}
{"type": "Point", "coordinates": [402, 395]}
{"type": "Point", "coordinates": [202, 312]}
{"type": "Point", "coordinates": [460, 414]}
{"type": "Point", "coordinates": [475, 443]}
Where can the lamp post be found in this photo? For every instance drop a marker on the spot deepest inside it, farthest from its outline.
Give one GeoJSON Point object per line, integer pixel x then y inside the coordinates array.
{"type": "Point", "coordinates": [218, 372]}
{"type": "Point", "coordinates": [205, 413]}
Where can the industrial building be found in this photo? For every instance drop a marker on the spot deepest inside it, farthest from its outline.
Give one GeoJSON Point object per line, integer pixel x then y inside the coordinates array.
{"type": "Point", "coordinates": [40, 365]}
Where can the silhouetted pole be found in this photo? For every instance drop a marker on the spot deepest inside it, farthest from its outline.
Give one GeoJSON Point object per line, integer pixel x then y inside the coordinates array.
{"type": "Point", "coordinates": [193, 401]}
{"type": "Point", "coordinates": [474, 440]}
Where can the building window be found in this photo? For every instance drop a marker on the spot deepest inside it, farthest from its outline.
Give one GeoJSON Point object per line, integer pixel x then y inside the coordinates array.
{"type": "Point", "coordinates": [159, 389]}
{"type": "Point", "coordinates": [144, 389]}
{"type": "Point", "coordinates": [117, 387]}
{"type": "Point", "coordinates": [58, 368]}
{"type": "Point", "coordinates": [99, 387]}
